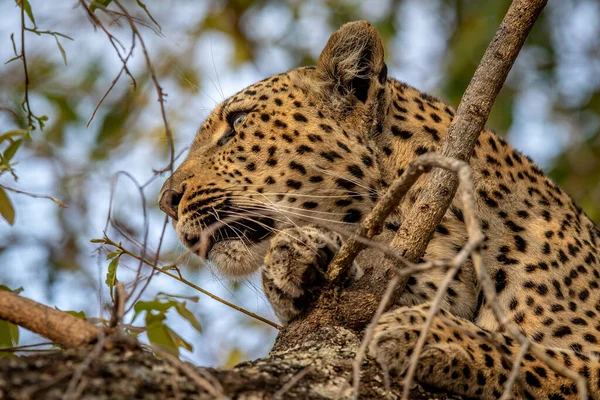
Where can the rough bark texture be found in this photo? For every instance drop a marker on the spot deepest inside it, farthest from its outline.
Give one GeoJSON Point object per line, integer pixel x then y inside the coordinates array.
{"type": "Point", "coordinates": [127, 374]}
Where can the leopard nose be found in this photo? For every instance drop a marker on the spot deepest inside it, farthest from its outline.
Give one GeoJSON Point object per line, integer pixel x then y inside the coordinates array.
{"type": "Point", "coordinates": [169, 202]}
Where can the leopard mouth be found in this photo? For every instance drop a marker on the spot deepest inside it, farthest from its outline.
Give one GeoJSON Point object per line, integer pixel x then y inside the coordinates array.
{"type": "Point", "coordinates": [249, 232]}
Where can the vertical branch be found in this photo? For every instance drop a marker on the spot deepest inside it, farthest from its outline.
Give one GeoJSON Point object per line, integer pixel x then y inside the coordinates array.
{"type": "Point", "coordinates": [426, 214]}
{"type": "Point", "coordinates": [30, 125]}
{"type": "Point", "coordinates": [472, 113]}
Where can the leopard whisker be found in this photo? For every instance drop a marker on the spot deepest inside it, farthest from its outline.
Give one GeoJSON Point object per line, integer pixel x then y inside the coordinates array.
{"type": "Point", "coordinates": [278, 206]}
{"type": "Point", "coordinates": [279, 231]}
{"type": "Point", "coordinates": [301, 215]}
{"type": "Point", "coordinates": [234, 229]}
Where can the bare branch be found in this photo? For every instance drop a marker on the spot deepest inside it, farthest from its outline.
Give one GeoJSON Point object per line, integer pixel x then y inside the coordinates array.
{"type": "Point", "coordinates": [471, 115]}
{"type": "Point", "coordinates": [159, 90]}
{"type": "Point", "coordinates": [58, 326]}
{"type": "Point", "coordinates": [37, 196]}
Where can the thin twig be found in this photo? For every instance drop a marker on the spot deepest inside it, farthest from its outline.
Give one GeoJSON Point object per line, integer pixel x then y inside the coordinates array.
{"type": "Point", "coordinates": [159, 90]}
{"type": "Point", "coordinates": [109, 242]}
{"type": "Point", "coordinates": [360, 354]}
{"type": "Point", "coordinates": [114, 82]}
{"type": "Point", "coordinates": [514, 373]}
{"type": "Point", "coordinates": [24, 60]}
{"type": "Point", "coordinates": [26, 347]}
{"type": "Point", "coordinates": [36, 196]}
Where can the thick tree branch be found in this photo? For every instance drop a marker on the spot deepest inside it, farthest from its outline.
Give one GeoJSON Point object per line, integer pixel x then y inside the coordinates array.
{"type": "Point", "coordinates": [317, 369]}
{"type": "Point", "coordinates": [60, 327]}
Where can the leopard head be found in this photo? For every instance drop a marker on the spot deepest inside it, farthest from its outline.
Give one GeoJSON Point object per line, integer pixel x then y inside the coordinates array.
{"type": "Point", "coordinates": [292, 149]}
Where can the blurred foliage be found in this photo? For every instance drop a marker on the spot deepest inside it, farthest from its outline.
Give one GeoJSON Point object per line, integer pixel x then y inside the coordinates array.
{"type": "Point", "coordinates": [158, 332]}
{"type": "Point", "coordinates": [9, 333]}
{"type": "Point", "coordinates": [559, 69]}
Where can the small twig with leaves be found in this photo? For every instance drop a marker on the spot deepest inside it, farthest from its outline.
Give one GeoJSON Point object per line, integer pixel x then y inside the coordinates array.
{"type": "Point", "coordinates": [32, 119]}
{"type": "Point", "coordinates": [165, 270]}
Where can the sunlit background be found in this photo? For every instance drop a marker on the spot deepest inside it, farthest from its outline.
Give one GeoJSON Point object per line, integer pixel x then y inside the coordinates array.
{"type": "Point", "coordinates": [203, 52]}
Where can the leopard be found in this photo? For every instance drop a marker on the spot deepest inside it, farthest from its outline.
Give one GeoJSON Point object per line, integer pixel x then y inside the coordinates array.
{"type": "Point", "coordinates": [274, 167]}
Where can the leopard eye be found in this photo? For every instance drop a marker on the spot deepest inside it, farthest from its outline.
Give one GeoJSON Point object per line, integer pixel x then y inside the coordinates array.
{"type": "Point", "coordinates": [237, 119]}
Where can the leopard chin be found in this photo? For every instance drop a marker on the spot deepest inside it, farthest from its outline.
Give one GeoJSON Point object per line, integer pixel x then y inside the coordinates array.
{"type": "Point", "coordinates": [236, 250]}
{"type": "Point", "coordinates": [237, 259]}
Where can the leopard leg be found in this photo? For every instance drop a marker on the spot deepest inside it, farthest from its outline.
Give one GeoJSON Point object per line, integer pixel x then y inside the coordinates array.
{"type": "Point", "coordinates": [295, 268]}
{"type": "Point", "coordinates": [460, 357]}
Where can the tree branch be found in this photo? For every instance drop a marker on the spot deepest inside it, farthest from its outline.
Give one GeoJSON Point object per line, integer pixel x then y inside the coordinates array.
{"type": "Point", "coordinates": [471, 116]}
{"type": "Point", "coordinates": [60, 327]}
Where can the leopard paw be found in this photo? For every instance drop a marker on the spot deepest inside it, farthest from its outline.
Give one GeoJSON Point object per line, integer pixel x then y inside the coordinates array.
{"type": "Point", "coordinates": [295, 268]}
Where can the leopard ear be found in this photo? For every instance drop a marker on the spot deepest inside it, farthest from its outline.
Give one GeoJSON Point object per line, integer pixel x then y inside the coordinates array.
{"type": "Point", "coordinates": [352, 61]}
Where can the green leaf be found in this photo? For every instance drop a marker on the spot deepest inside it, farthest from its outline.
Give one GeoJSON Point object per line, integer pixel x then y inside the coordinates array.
{"type": "Point", "coordinates": [7, 289]}
{"type": "Point", "coordinates": [11, 150]}
{"type": "Point", "coordinates": [12, 39]}
{"type": "Point", "coordinates": [160, 335]}
{"type": "Point", "coordinates": [149, 306]}
{"type": "Point", "coordinates": [113, 254]}
{"type": "Point", "coordinates": [60, 48]}
{"type": "Point", "coordinates": [111, 275]}
{"type": "Point", "coordinates": [188, 315]}
{"type": "Point", "coordinates": [27, 7]}
{"type": "Point", "coordinates": [99, 4]}
{"type": "Point", "coordinates": [9, 336]}
{"type": "Point", "coordinates": [6, 208]}
{"type": "Point", "coordinates": [77, 314]}
{"type": "Point", "coordinates": [235, 357]}
{"type": "Point", "coordinates": [12, 59]}
{"type": "Point", "coordinates": [97, 240]}
{"type": "Point", "coordinates": [12, 133]}
{"type": "Point", "coordinates": [178, 340]}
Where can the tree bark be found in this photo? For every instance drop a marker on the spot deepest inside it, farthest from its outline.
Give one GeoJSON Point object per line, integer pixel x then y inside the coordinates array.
{"type": "Point", "coordinates": [121, 373]}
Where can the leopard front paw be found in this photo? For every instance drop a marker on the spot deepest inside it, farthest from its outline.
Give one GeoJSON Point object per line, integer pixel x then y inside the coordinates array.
{"type": "Point", "coordinates": [295, 268]}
